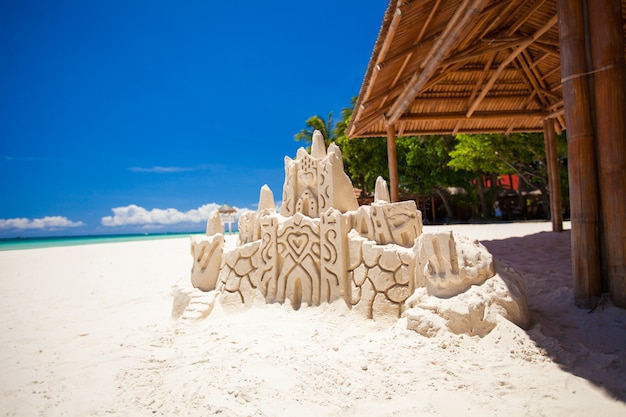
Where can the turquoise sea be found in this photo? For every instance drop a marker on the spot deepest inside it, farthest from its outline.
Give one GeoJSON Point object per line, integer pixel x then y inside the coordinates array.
{"type": "Point", "coordinates": [49, 242]}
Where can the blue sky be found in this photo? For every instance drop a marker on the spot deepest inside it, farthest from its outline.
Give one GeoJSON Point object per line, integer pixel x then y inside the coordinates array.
{"type": "Point", "coordinates": [131, 116]}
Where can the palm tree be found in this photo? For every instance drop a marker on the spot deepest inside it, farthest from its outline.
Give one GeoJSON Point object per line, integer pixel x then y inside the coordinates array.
{"type": "Point", "coordinates": [314, 123]}
{"type": "Point", "coordinates": [346, 115]}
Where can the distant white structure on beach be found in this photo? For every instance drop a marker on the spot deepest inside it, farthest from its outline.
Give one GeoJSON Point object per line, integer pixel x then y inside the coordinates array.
{"type": "Point", "coordinates": [227, 216]}
{"type": "Point", "coordinates": [323, 248]}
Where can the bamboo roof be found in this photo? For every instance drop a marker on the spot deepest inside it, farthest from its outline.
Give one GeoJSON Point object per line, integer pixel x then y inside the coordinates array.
{"type": "Point", "coordinates": [462, 66]}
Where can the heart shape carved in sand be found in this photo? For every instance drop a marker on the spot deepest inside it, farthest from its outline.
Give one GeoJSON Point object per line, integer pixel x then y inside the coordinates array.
{"type": "Point", "coordinates": [297, 242]}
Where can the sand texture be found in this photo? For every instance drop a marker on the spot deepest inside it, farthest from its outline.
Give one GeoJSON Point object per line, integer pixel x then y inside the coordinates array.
{"type": "Point", "coordinates": [87, 331]}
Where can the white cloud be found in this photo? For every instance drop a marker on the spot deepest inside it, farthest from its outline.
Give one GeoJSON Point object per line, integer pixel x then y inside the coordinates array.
{"type": "Point", "coordinates": [164, 170]}
{"type": "Point", "coordinates": [138, 216]}
{"type": "Point", "coordinates": [45, 223]}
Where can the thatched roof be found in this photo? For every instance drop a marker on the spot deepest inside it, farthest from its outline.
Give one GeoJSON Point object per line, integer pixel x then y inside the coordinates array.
{"type": "Point", "coordinates": [462, 66]}
{"type": "Point", "coordinates": [226, 209]}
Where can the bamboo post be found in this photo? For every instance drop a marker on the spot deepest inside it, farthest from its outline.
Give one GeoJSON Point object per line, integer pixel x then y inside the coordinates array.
{"type": "Point", "coordinates": [554, 175]}
{"type": "Point", "coordinates": [392, 161]}
{"type": "Point", "coordinates": [607, 56]}
{"type": "Point", "coordinates": [581, 154]}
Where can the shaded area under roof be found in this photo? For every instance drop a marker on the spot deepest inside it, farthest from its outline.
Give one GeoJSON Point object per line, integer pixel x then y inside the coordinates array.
{"type": "Point", "coordinates": [463, 66]}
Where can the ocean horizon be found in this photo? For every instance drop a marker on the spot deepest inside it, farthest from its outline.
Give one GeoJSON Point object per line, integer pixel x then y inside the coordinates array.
{"type": "Point", "coordinates": [20, 243]}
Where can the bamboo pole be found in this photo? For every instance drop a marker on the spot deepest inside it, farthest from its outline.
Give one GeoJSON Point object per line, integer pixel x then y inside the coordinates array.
{"type": "Point", "coordinates": [581, 154]}
{"type": "Point", "coordinates": [456, 28]}
{"type": "Point", "coordinates": [395, 22]}
{"type": "Point", "coordinates": [490, 115]}
{"type": "Point", "coordinates": [607, 56]}
{"type": "Point", "coordinates": [518, 50]}
{"type": "Point", "coordinates": [554, 175]}
{"type": "Point", "coordinates": [392, 161]}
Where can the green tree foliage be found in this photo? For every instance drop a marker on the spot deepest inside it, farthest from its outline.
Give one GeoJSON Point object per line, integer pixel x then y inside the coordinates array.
{"type": "Point", "coordinates": [424, 162]}
{"type": "Point", "coordinates": [423, 167]}
{"type": "Point", "coordinates": [522, 154]}
{"type": "Point", "coordinates": [313, 123]}
{"type": "Point", "coordinates": [346, 116]}
{"type": "Point", "coordinates": [477, 154]}
{"type": "Point", "coordinates": [433, 164]}
{"type": "Point", "coordinates": [365, 159]}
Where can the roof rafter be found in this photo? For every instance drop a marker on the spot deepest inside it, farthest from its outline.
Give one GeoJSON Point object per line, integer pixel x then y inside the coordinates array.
{"type": "Point", "coordinates": [395, 22]}
{"type": "Point", "coordinates": [508, 60]}
{"type": "Point", "coordinates": [509, 5]}
{"type": "Point", "coordinates": [504, 114]}
{"type": "Point", "coordinates": [410, 132]}
{"type": "Point", "coordinates": [528, 66]}
{"type": "Point", "coordinates": [455, 30]}
{"type": "Point", "coordinates": [420, 35]}
{"type": "Point", "coordinates": [524, 17]}
{"type": "Point", "coordinates": [484, 49]}
{"type": "Point", "coordinates": [532, 80]}
{"type": "Point", "coordinates": [472, 96]}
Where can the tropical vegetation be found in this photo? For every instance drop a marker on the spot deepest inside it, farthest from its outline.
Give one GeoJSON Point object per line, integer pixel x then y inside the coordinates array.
{"type": "Point", "coordinates": [460, 171]}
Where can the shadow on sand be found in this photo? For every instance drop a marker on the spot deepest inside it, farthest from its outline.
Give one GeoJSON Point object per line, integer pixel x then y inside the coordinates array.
{"type": "Point", "coordinates": [588, 344]}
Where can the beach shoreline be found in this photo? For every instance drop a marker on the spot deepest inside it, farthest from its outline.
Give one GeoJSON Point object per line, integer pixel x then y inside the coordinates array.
{"type": "Point", "coordinates": [87, 330]}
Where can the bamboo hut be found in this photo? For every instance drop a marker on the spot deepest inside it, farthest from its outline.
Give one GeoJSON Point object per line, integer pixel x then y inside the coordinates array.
{"type": "Point", "coordinates": [503, 66]}
{"type": "Point", "coordinates": [227, 216]}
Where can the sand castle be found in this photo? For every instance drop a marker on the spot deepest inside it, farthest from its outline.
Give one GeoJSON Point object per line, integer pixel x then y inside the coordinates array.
{"type": "Point", "coordinates": [322, 247]}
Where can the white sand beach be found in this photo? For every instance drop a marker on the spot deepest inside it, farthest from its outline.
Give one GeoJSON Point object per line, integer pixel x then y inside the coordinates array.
{"type": "Point", "coordinates": [87, 331]}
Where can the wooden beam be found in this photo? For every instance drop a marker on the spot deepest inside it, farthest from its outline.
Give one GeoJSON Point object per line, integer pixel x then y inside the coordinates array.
{"type": "Point", "coordinates": [419, 38]}
{"type": "Point", "coordinates": [581, 155]}
{"type": "Point", "coordinates": [539, 60]}
{"type": "Point", "coordinates": [485, 49]}
{"type": "Point", "coordinates": [429, 19]}
{"type": "Point", "coordinates": [401, 70]}
{"type": "Point", "coordinates": [357, 129]}
{"type": "Point", "coordinates": [486, 15]}
{"type": "Point", "coordinates": [424, 44]}
{"type": "Point", "coordinates": [549, 93]}
{"type": "Point", "coordinates": [366, 122]}
{"type": "Point", "coordinates": [454, 31]}
{"type": "Point", "coordinates": [479, 83]}
{"type": "Point", "coordinates": [501, 114]}
{"type": "Point", "coordinates": [532, 80]}
{"type": "Point", "coordinates": [421, 132]}
{"type": "Point", "coordinates": [543, 87]}
{"type": "Point", "coordinates": [389, 91]}
{"type": "Point", "coordinates": [554, 175]}
{"type": "Point", "coordinates": [550, 49]}
{"type": "Point", "coordinates": [393, 26]}
{"type": "Point", "coordinates": [434, 100]}
{"type": "Point", "coordinates": [536, 80]}
{"type": "Point", "coordinates": [556, 114]}
{"type": "Point", "coordinates": [526, 62]}
{"type": "Point", "coordinates": [524, 17]}
{"type": "Point", "coordinates": [561, 125]}
{"type": "Point", "coordinates": [470, 69]}
{"type": "Point", "coordinates": [508, 60]}
{"type": "Point", "coordinates": [392, 161]}
{"type": "Point", "coordinates": [504, 14]}
{"type": "Point", "coordinates": [609, 80]}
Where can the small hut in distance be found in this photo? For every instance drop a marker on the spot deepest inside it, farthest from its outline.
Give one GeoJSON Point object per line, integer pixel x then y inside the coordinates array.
{"type": "Point", "coordinates": [227, 216]}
